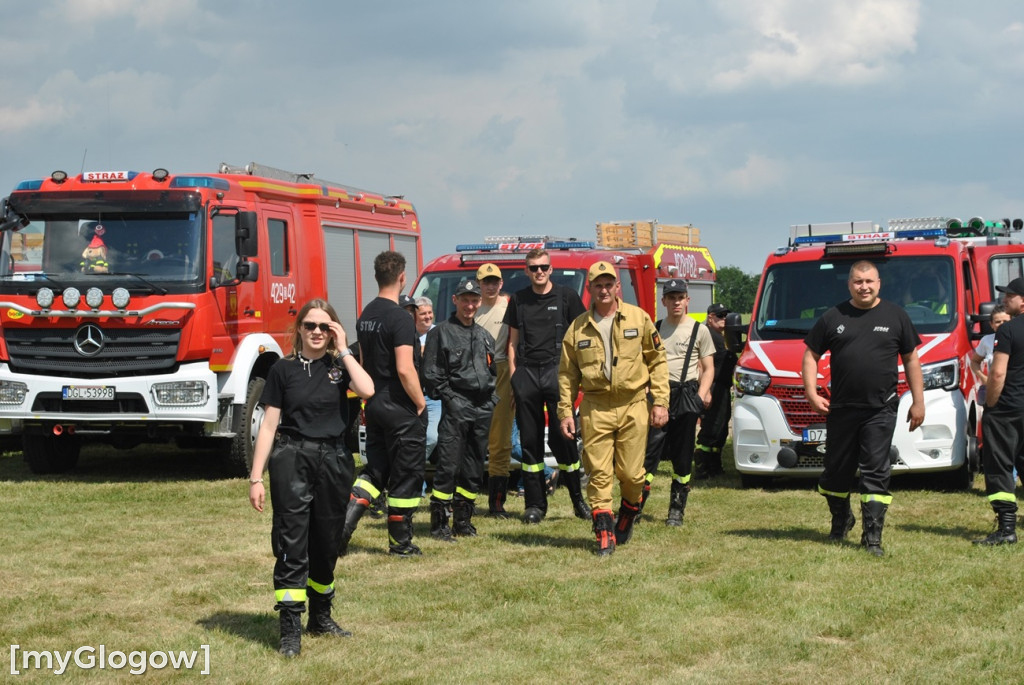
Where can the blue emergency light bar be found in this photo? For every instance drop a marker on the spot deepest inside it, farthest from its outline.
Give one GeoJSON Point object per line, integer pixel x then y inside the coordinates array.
{"type": "Point", "coordinates": [513, 245]}
{"type": "Point", "coordinates": [870, 236]}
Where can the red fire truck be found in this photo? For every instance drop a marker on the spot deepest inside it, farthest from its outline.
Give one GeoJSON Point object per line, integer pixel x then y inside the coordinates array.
{"type": "Point", "coordinates": [138, 307]}
{"type": "Point", "coordinates": [943, 271]}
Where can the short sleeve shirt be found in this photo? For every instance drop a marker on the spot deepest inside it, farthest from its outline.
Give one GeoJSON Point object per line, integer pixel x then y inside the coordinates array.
{"type": "Point", "coordinates": [545, 319]}
{"type": "Point", "coordinates": [676, 340]}
{"type": "Point", "coordinates": [1010, 340]}
{"type": "Point", "coordinates": [866, 345]}
{"type": "Point", "coordinates": [381, 328]}
{"type": "Point", "coordinates": [311, 396]}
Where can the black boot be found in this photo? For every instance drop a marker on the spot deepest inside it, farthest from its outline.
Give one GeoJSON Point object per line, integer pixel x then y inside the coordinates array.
{"type": "Point", "coordinates": [644, 494]}
{"type": "Point", "coordinates": [357, 506]}
{"type": "Point", "coordinates": [624, 523]}
{"type": "Point", "coordinates": [535, 497]}
{"type": "Point", "coordinates": [842, 517]}
{"type": "Point", "coordinates": [462, 518]}
{"type": "Point", "coordinates": [320, 621]}
{"type": "Point", "coordinates": [872, 515]}
{"type": "Point", "coordinates": [439, 529]}
{"type": "Point", "coordinates": [713, 462]}
{"type": "Point", "coordinates": [400, 536]}
{"type": "Point", "coordinates": [604, 529]}
{"type": "Point", "coordinates": [571, 480]}
{"type": "Point", "coordinates": [497, 489]}
{"type": "Point", "coordinates": [291, 629]}
{"type": "Point", "coordinates": [677, 503]}
{"type": "Point", "coordinates": [1006, 533]}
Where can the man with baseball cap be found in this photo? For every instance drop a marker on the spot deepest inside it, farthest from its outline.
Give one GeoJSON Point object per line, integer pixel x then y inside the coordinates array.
{"type": "Point", "coordinates": [458, 367]}
{"type": "Point", "coordinates": [1003, 421]}
{"type": "Point", "coordinates": [614, 354]}
{"type": "Point", "coordinates": [689, 351]}
{"type": "Point", "coordinates": [491, 317]}
{"type": "Point", "coordinates": [714, 424]}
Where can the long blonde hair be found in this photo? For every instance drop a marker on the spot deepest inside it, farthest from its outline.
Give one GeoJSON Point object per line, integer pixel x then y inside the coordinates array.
{"type": "Point", "coordinates": [301, 317]}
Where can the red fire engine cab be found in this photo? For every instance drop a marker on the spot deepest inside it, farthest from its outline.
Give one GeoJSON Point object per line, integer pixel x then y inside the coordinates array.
{"type": "Point", "coordinates": [942, 271]}
{"type": "Point", "coordinates": [141, 307]}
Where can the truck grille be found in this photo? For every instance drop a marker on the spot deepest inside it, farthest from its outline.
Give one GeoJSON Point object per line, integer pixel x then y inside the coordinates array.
{"type": "Point", "coordinates": [124, 352]}
{"type": "Point", "coordinates": [798, 410]}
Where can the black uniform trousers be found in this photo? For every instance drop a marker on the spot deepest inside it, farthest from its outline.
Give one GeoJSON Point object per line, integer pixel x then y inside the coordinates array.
{"type": "Point", "coordinates": [714, 425]}
{"type": "Point", "coordinates": [674, 440]}
{"type": "Point", "coordinates": [461, 450]}
{"type": "Point", "coordinates": [310, 482]}
{"type": "Point", "coordinates": [1000, 452]}
{"type": "Point", "coordinates": [858, 438]}
{"type": "Point", "coordinates": [396, 440]}
{"type": "Point", "coordinates": [536, 387]}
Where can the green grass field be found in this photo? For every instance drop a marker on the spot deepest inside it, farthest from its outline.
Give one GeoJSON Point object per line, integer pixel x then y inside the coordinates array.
{"type": "Point", "coordinates": [145, 550]}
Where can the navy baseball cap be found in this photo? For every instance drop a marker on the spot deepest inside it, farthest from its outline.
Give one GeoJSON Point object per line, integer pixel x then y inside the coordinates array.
{"type": "Point", "coordinates": [406, 301]}
{"type": "Point", "coordinates": [676, 285]}
{"type": "Point", "coordinates": [718, 309]}
{"type": "Point", "coordinates": [1014, 287]}
{"type": "Point", "coordinates": [468, 287]}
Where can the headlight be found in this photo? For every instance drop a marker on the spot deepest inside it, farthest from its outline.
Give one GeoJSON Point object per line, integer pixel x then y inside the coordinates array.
{"type": "Point", "coordinates": [944, 375]}
{"type": "Point", "coordinates": [71, 297]}
{"type": "Point", "coordinates": [12, 392]}
{"type": "Point", "coordinates": [120, 298]}
{"type": "Point", "coordinates": [751, 382]}
{"type": "Point", "coordinates": [44, 298]}
{"type": "Point", "coordinates": [180, 393]}
{"type": "Point", "coordinates": [94, 297]}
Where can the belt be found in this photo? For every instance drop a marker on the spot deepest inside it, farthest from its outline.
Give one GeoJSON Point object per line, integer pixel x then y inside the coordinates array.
{"type": "Point", "coordinates": [538, 365]}
{"type": "Point", "coordinates": [332, 443]}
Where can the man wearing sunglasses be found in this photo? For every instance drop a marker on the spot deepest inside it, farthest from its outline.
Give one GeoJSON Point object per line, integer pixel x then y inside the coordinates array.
{"type": "Point", "coordinates": [538, 318]}
{"type": "Point", "coordinates": [714, 425]}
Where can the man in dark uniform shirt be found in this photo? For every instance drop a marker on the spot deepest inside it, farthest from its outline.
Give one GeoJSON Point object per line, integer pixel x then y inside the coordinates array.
{"type": "Point", "coordinates": [714, 424]}
{"type": "Point", "coordinates": [396, 426]}
{"type": "Point", "coordinates": [538, 318]}
{"type": "Point", "coordinates": [866, 336]}
{"type": "Point", "coordinates": [1002, 424]}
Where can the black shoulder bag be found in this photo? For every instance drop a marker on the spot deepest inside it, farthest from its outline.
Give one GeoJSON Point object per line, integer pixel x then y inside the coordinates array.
{"type": "Point", "coordinates": [684, 398]}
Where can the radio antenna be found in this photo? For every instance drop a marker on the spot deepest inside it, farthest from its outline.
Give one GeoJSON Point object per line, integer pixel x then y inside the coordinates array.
{"type": "Point", "coordinates": [84, 153]}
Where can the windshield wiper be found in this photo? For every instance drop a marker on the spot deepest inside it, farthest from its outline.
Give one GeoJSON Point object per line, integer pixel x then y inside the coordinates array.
{"type": "Point", "coordinates": [785, 329]}
{"type": "Point", "coordinates": [152, 286]}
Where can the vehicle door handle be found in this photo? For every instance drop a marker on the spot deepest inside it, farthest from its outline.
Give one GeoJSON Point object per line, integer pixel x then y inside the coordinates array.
{"type": "Point", "coordinates": [293, 311]}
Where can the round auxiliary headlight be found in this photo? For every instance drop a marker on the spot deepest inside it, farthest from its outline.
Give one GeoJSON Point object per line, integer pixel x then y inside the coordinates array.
{"type": "Point", "coordinates": [120, 297]}
{"type": "Point", "coordinates": [44, 298]}
{"type": "Point", "coordinates": [71, 297]}
{"type": "Point", "coordinates": [94, 297]}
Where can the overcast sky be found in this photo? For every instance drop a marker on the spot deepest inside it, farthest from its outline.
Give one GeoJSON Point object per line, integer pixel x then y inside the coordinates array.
{"type": "Point", "coordinates": [740, 117]}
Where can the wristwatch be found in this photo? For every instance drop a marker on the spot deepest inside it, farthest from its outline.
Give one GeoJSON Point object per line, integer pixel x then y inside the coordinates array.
{"type": "Point", "coordinates": [344, 353]}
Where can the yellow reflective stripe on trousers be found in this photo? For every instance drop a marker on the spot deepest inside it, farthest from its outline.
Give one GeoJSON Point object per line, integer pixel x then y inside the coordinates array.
{"type": "Point", "coordinates": [841, 495]}
{"type": "Point", "coordinates": [533, 468]}
{"type": "Point", "coordinates": [404, 503]}
{"type": "Point", "coordinates": [290, 595]}
{"type": "Point", "coordinates": [682, 480]}
{"type": "Point", "coordinates": [466, 494]}
{"type": "Point", "coordinates": [571, 467]}
{"type": "Point", "coordinates": [318, 588]}
{"type": "Point", "coordinates": [368, 486]}
{"type": "Point", "coordinates": [704, 448]}
{"type": "Point", "coordinates": [441, 496]}
{"type": "Point", "coordinates": [1002, 497]}
{"type": "Point", "coordinates": [884, 499]}
{"type": "Point", "coordinates": [649, 478]}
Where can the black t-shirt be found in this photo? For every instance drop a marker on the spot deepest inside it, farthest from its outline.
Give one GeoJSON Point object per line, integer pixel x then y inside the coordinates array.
{"type": "Point", "coordinates": [542, 321]}
{"type": "Point", "coordinates": [382, 327]}
{"type": "Point", "coordinates": [1010, 340]}
{"type": "Point", "coordinates": [719, 342]}
{"type": "Point", "coordinates": [311, 396]}
{"type": "Point", "coordinates": [866, 345]}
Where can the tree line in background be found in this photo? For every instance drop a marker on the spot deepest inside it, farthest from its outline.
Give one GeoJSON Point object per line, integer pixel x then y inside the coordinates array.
{"type": "Point", "coordinates": [735, 289]}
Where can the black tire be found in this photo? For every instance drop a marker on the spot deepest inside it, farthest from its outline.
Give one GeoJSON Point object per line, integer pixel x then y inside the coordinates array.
{"type": "Point", "coordinates": [959, 479]}
{"type": "Point", "coordinates": [238, 456]}
{"type": "Point", "coordinates": [51, 453]}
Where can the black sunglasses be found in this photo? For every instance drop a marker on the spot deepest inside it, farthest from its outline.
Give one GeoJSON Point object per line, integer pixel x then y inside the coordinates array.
{"type": "Point", "coordinates": [721, 315]}
{"type": "Point", "coordinates": [310, 326]}
{"type": "Point", "coordinates": [538, 267]}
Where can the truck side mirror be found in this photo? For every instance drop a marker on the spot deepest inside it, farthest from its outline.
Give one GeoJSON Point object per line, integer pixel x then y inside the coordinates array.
{"type": "Point", "coordinates": [983, 317]}
{"type": "Point", "coordinates": [246, 236]}
{"type": "Point", "coordinates": [735, 332]}
{"type": "Point", "coordinates": [248, 271]}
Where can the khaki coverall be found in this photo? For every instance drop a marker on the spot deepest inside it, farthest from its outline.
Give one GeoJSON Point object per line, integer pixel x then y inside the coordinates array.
{"type": "Point", "coordinates": [614, 412]}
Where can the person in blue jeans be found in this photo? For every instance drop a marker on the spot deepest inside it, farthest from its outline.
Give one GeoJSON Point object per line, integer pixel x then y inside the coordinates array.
{"type": "Point", "coordinates": [424, 322]}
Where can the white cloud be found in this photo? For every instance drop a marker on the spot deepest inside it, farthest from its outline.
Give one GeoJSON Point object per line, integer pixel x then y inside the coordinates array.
{"type": "Point", "coordinates": [29, 115]}
{"type": "Point", "coordinates": [806, 41]}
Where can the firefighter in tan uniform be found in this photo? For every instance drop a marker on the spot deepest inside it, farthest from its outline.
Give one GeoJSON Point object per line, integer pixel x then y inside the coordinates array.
{"type": "Point", "coordinates": [614, 354]}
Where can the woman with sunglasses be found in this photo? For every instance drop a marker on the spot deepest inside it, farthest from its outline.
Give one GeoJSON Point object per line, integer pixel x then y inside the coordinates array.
{"type": "Point", "coordinates": [311, 470]}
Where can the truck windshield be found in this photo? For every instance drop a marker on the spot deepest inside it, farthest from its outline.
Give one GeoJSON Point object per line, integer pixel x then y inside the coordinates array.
{"type": "Point", "coordinates": [794, 295]}
{"type": "Point", "coordinates": [159, 247]}
{"type": "Point", "coordinates": [440, 285]}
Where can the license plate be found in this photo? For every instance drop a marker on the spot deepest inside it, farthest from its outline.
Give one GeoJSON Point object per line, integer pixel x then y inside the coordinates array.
{"type": "Point", "coordinates": [814, 434]}
{"type": "Point", "coordinates": [88, 392]}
